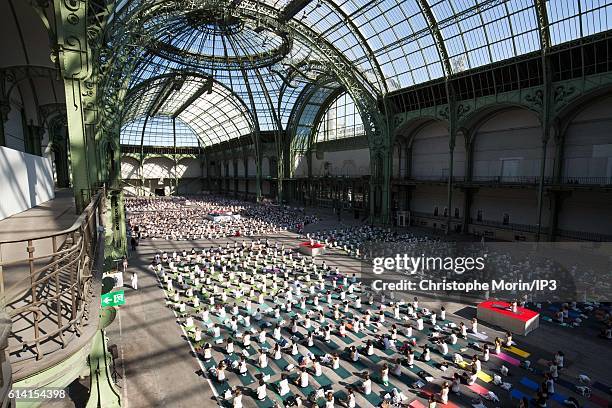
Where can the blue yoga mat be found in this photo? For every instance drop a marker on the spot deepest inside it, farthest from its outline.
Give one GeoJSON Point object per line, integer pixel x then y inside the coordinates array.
{"type": "Point", "coordinates": [532, 385]}
{"type": "Point", "coordinates": [516, 394]}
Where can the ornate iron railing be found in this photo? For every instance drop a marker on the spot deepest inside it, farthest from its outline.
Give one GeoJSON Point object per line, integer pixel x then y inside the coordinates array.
{"type": "Point", "coordinates": [46, 286]}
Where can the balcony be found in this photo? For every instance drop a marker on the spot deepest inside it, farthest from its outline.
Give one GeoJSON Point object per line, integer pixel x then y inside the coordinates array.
{"type": "Point", "coordinates": [506, 181]}
{"type": "Point", "coordinates": [508, 225]}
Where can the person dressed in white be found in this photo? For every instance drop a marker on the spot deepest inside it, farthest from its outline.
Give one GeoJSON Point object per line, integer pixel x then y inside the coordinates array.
{"type": "Point", "coordinates": [426, 356]}
{"type": "Point", "coordinates": [221, 372]}
{"type": "Point", "coordinates": [277, 352]}
{"type": "Point", "coordinates": [410, 358]}
{"type": "Point", "coordinates": [350, 399]}
{"type": "Point", "coordinates": [263, 360]}
{"type": "Point", "coordinates": [384, 374]}
{"type": "Point", "coordinates": [443, 348]}
{"type": "Point", "coordinates": [261, 390]}
{"type": "Point", "coordinates": [317, 368]}
{"type": "Point", "coordinates": [560, 359]}
{"type": "Point", "coordinates": [303, 378]}
{"type": "Point", "coordinates": [335, 360]}
{"type": "Point", "coordinates": [237, 402]}
{"type": "Point", "coordinates": [134, 281]}
{"type": "Point", "coordinates": [207, 351]}
{"type": "Point", "coordinates": [329, 400]}
{"type": "Point", "coordinates": [456, 383]}
{"type": "Point", "coordinates": [397, 368]}
{"type": "Point", "coordinates": [463, 330]}
{"type": "Point", "coordinates": [444, 393]}
{"type": "Point", "coordinates": [476, 363]}
{"type": "Point", "coordinates": [367, 385]}
{"type": "Point", "coordinates": [242, 367]}
{"type": "Point", "coordinates": [283, 386]}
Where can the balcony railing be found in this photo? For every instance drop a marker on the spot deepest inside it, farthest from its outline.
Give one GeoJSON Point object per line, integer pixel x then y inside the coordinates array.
{"type": "Point", "coordinates": [509, 179]}
{"type": "Point", "coordinates": [584, 236]}
{"type": "Point", "coordinates": [531, 180]}
{"type": "Point", "coordinates": [46, 286]}
{"type": "Point", "coordinates": [509, 225]}
{"type": "Point", "coordinates": [591, 181]}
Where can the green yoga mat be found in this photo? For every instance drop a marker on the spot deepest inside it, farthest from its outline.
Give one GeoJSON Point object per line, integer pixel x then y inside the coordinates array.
{"type": "Point", "coordinates": [281, 363]}
{"type": "Point", "coordinates": [323, 381]}
{"type": "Point", "coordinates": [332, 345]}
{"type": "Point", "coordinates": [374, 358]}
{"type": "Point", "coordinates": [306, 391]}
{"type": "Point", "coordinates": [372, 398]}
{"type": "Point", "coordinates": [359, 365]}
{"type": "Point", "coordinates": [267, 370]}
{"type": "Point", "coordinates": [343, 372]}
{"type": "Point", "coordinates": [246, 379]}
{"type": "Point", "coordinates": [360, 335]}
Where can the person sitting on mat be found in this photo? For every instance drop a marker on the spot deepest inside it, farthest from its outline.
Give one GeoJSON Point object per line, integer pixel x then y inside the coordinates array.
{"type": "Point", "coordinates": [443, 395]}
{"type": "Point", "coordinates": [366, 384]}
{"type": "Point", "coordinates": [261, 390]}
{"type": "Point", "coordinates": [470, 376]}
{"type": "Point", "coordinates": [456, 383]}
{"type": "Point", "coordinates": [237, 401]}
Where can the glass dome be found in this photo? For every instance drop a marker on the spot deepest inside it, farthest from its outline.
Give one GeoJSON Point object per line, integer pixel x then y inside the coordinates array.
{"type": "Point", "coordinates": [208, 38]}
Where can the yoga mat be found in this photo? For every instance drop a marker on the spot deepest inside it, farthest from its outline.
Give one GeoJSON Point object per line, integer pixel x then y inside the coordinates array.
{"type": "Point", "coordinates": [481, 374]}
{"type": "Point", "coordinates": [532, 385]}
{"type": "Point", "coordinates": [306, 390]}
{"type": "Point", "coordinates": [416, 404]}
{"type": "Point", "coordinates": [478, 389]}
{"type": "Point", "coordinates": [374, 358]}
{"type": "Point", "coordinates": [220, 387]}
{"type": "Point", "coordinates": [346, 339]}
{"type": "Point", "coordinates": [373, 398]}
{"type": "Point", "coordinates": [390, 351]}
{"type": "Point", "coordinates": [359, 365]}
{"type": "Point", "coordinates": [267, 370]}
{"type": "Point", "coordinates": [334, 346]}
{"type": "Point", "coordinates": [602, 402]}
{"type": "Point", "coordinates": [281, 363]}
{"type": "Point", "coordinates": [516, 394]}
{"type": "Point", "coordinates": [343, 372]}
{"type": "Point", "coordinates": [323, 380]}
{"type": "Point", "coordinates": [559, 398]}
{"type": "Point", "coordinates": [479, 336]}
{"type": "Point", "coordinates": [405, 379]}
{"type": "Point", "coordinates": [484, 376]}
{"type": "Point", "coordinates": [517, 351]}
{"type": "Point", "coordinates": [246, 379]}
{"type": "Point", "coordinates": [360, 335]}
{"type": "Point", "coordinates": [503, 356]}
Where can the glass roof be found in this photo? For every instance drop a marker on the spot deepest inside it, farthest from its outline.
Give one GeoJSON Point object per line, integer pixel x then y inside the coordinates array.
{"type": "Point", "coordinates": [390, 44]}
{"type": "Point", "coordinates": [212, 112]}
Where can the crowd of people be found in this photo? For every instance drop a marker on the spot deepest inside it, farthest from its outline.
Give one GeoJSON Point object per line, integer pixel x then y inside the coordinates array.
{"type": "Point", "coordinates": [190, 218]}
{"type": "Point", "coordinates": [281, 323]}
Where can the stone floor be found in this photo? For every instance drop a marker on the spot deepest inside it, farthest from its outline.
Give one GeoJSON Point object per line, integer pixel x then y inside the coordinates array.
{"type": "Point", "coordinates": [158, 368]}
{"type": "Point", "coordinates": [50, 216]}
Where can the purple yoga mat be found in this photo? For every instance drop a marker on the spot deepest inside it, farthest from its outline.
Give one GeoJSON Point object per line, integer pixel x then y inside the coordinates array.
{"type": "Point", "coordinates": [507, 358]}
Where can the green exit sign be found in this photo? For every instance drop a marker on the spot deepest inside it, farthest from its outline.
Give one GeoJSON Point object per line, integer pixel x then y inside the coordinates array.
{"type": "Point", "coordinates": [113, 298]}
